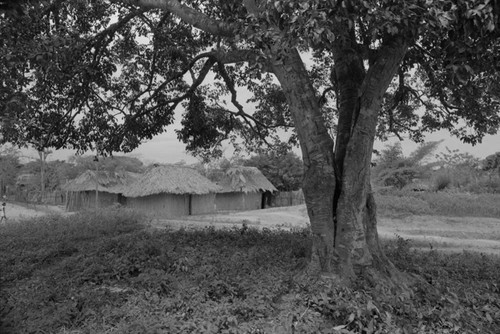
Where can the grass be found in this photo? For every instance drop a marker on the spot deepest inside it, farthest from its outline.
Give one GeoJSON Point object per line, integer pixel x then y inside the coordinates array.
{"type": "Point", "coordinates": [404, 203]}
{"type": "Point", "coordinates": [106, 273]}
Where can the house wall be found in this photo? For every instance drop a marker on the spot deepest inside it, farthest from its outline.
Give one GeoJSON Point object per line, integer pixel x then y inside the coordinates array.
{"type": "Point", "coordinates": [202, 204]}
{"type": "Point", "coordinates": [83, 200]}
{"type": "Point", "coordinates": [237, 201]}
{"type": "Point", "coordinates": [161, 205]}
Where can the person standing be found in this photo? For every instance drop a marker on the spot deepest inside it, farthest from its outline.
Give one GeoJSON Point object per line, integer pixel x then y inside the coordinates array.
{"type": "Point", "coordinates": [4, 217]}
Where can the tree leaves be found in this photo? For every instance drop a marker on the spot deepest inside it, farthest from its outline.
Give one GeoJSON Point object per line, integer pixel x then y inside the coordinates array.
{"type": "Point", "coordinates": [75, 72]}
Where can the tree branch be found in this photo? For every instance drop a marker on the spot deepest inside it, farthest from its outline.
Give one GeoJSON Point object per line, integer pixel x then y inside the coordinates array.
{"type": "Point", "coordinates": [241, 112]}
{"type": "Point", "coordinates": [185, 13]}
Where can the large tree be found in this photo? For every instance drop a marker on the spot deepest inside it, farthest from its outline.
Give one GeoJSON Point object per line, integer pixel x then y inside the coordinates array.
{"type": "Point", "coordinates": [107, 74]}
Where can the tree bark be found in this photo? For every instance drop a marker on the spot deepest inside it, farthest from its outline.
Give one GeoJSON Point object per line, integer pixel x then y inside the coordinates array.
{"type": "Point", "coordinates": [317, 153]}
{"type": "Point", "coordinates": [357, 240]}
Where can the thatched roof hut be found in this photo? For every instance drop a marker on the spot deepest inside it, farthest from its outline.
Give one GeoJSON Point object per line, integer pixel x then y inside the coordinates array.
{"type": "Point", "coordinates": [171, 179]}
{"type": "Point", "coordinates": [109, 185]}
{"type": "Point", "coordinates": [243, 188]}
{"type": "Point", "coordinates": [171, 191]}
{"type": "Point", "coordinates": [110, 182]}
{"type": "Point", "coordinates": [244, 179]}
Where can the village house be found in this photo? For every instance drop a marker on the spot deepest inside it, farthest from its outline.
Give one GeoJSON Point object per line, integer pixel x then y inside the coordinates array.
{"type": "Point", "coordinates": [243, 188]}
{"type": "Point", "coordinates": [171, 191]}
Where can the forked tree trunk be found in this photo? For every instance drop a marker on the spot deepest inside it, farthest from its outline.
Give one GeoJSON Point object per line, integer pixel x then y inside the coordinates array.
{"type": "Point", "coordinates": [357, 240]}
{"type": "Point", "coordinates": [339, 201]}
{"type": "Point", "coordinates": [317, 154]}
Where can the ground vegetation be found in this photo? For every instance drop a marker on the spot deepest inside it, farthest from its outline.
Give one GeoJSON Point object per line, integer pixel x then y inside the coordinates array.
{"type": "Point", "coordinates": [106, 272]}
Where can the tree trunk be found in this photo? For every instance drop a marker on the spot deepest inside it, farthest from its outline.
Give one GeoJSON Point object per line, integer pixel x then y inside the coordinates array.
{"type": "Point", "coordinates": [317, 153]}
{"type": "Point", "coordinates": [357, 240]}
{"type": "Point", "coordinates": [337, 189]}
{"type": "Point", "coordinates": [42, 175]}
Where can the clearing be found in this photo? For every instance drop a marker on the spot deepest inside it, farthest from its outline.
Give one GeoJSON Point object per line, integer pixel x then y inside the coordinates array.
{"type": "Point", "coordinates": [15, 210]}
{"type": "Point", "coordinates": [426, 232]}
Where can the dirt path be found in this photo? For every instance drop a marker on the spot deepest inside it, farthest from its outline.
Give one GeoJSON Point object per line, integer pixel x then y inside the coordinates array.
{"type": "Point", "coordinates": [15, 211]}
{"type": "Point", "coordinates": [426, 232]}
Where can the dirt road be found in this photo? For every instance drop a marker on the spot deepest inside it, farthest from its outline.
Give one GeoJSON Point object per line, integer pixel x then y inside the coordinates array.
{"type": "Point", "coordinates": [15, 211]}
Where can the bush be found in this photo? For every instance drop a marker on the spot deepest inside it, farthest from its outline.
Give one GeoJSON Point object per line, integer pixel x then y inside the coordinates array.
{"type": "Point", "coordinates": [442, 181]}
{"type": "Point", "coordinates": [398, 178]}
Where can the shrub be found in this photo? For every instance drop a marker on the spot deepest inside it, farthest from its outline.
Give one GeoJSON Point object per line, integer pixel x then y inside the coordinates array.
{"type": "Point", "coordinates": [398, 178]}
{"type": "Point", "coordinates": [442, 181]}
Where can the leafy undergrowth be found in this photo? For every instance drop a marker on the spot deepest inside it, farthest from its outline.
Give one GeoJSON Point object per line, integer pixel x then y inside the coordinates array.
{"type": "Point", "coordinates": [104, 273]}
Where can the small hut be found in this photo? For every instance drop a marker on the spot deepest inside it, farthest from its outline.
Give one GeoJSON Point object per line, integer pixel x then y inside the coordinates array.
{"type": "Point", "coordinates": [171, 191]}
{"type": "Point", "coordinates": [108, 186]}
{"type": "Point", "coordinates": [243, 188]}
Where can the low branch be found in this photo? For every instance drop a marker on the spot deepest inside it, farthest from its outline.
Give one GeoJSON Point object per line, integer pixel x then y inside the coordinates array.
{"type": "Point", "coordinates": [241, 112]}
{"type": "Point", "coordinates": [196, 83]}
{"type": "Point", "coordinates": [187, 14]}
{"type": "Point", "coordinates": [322, 100]}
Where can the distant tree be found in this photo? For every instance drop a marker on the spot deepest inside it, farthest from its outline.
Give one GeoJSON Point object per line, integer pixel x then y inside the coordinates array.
{"type": "Point", "coordinates": [390, 156]}
{"type": "Point", "coordinates": [58, 173]}
{"type": "Point", "coordinates": [460, 168]}
{"type": "Point", "coordinates": [43, 154]}
{"type": "Point", "coordinates": [285, 171]}
{"type": "Point", "coordinates": [50, 180]}
{"type": "Point", "coordinates": [112, 163]}
{"type": "Point", "coordinates": [492, 163]}
{"type": "Point", "coordinates": [394, 169]}
{"type": "Point", "coordinates": [9, 167]}
{"type": "Point", "coordinates": [457, 159]}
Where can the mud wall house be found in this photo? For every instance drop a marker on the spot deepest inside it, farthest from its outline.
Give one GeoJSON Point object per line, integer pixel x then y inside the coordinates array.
{"type": "Point", "coordinates": [172, 191]}
{"type": "Point", "coordinates": [81, 192]}
{"type": "Point", "coordinates": [243, 188]}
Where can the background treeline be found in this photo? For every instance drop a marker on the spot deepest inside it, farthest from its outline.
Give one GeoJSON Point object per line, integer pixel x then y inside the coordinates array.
{"type": "Point", "coordinates": [421, 170]}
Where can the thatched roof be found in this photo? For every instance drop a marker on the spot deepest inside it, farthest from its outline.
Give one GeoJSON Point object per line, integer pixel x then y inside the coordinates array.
{"type": "Point", "coordinates": [171, 179]}
{"type": "Point", "coordinates": [244, 179]}
{"type": "Point", "coordinates": [26, 179]}
{"type": "Point", "coordinates": [111, 182]}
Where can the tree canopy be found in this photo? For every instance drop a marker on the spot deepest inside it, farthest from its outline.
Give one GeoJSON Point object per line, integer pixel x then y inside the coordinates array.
{"type": "Point", "coordinates": [107, 74]}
